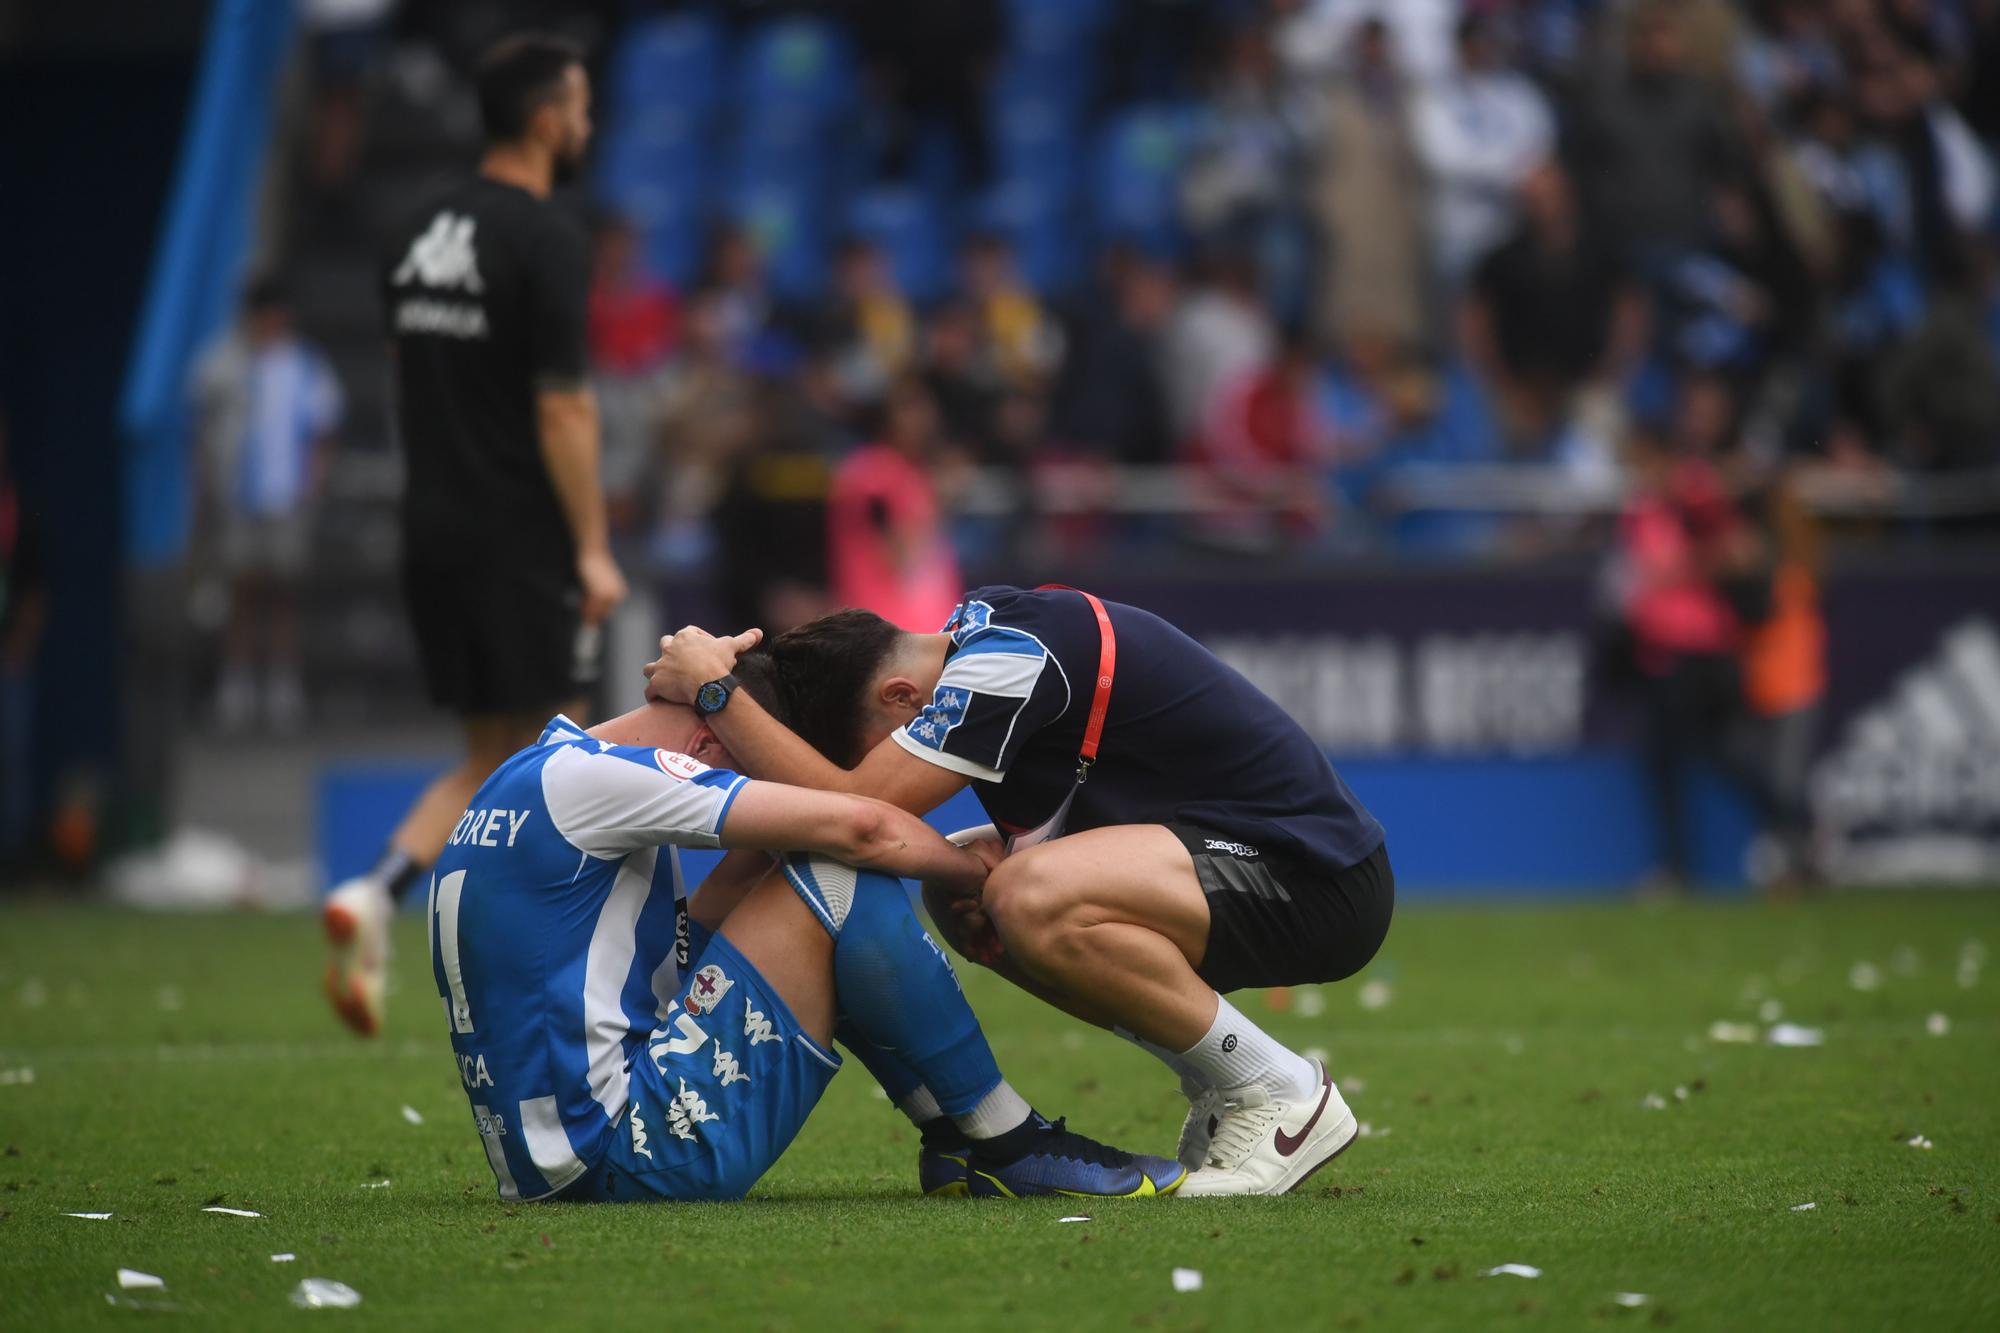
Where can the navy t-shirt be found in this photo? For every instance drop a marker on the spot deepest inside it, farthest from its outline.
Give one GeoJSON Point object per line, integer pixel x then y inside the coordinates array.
{"type": "Point", "coordinates": [1187, 741]}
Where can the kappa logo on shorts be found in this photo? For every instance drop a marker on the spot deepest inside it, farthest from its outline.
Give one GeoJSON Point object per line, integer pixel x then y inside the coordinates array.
{"type": "Point", "coordinates": [679, 766]}
{"type": "Point", "coordinates": [726, 1067]}
{"type": "Point", "coordinates": [755, 1026]}
{"type": "Point", "coordinates": [639, 1134]}
{"type": "Point", "coordinates": [686, 1111]}
{"type": "Point", "coordinates": [1242, 849]}
{"type": "Point", "coordinates": [705, 990]}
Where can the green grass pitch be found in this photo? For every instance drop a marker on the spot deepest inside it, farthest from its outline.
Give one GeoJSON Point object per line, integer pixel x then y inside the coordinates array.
{"type": "Point", "coordinates": [179, 1062]}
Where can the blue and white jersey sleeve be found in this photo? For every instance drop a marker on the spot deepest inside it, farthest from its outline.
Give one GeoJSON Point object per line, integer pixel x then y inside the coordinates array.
{"type": "Point", "coordinates": [611, 801]}
{"type": "Point", "coordinates": [999, 687]}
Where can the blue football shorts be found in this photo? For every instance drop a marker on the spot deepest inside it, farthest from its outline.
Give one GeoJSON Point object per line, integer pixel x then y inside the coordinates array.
{"type": "Point", "coordinates": [718, 1092]}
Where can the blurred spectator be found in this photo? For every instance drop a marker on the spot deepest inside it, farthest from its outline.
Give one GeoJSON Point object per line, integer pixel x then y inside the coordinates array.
{"type": "Point", "coordinates": [634, 327]}
{"type": "Point", "coordinates": [1111, 399]}
{"type": "Point", "coordinates": [267, 405]}
{"type": "Point", "coordinates": [1743, 296]}
{"type": "Point", "coordinates": [770, 519]}
{"type": "Point", "coordinates": [1018, 338]}
{"type": "Point", "coordinates": [1368, 196]}
{"type": "Point", "coordinates": [885, 524]}
{"type": "Point", "coordinates": [1266, 446]}
{"type": "Point", "coordinates": [929, 65]}
{"type": "Point", "coordinates": [1786, 54]}
{"type": "Point", "coordinates": [1218, 332]}
{"type": "Point", "coordinates": [1315, 36]}
{"type": "Point", "coordinates": [1941, 390]}
{"type": "Point", "coordinates": [1652, 143]}
{"type": "Point", "coordinates": [734, 277]}
{"type": "Point", "coordinates": [868, 319]}
{"type": "Point", "coordinates": [1480, 129]}
{"type": "Point", "coordinates": [23, 613]}
{"type": "Point", "coordinates": [1553, 322]}
{"type": "Point", "coordinates": [705, 421]}
{"type": "Point", "coordinates": [1240, 187]}
{"type": "Point", "coordinates": [1155, 50]}
{"type": "Point", "coordinates": [965, 384]}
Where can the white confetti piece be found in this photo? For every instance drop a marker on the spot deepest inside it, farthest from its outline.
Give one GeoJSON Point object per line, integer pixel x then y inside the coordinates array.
{"type": "Point", "coordinates": [1791, 1034]}
{"type": "Point", "coordinates": [1376, 995]}
{"type": "Point", "coordinates": [374, 1184]}
{"type": "Point", "coordinates": [1187, 1279]}
{"type": "Point", "coordinates": [133, 1280]}
{"type": "Point", "coordinates": [91, 1217]}
{"type": "Point", "coordinates": [1864, 976]}
{"type": "Point", "coordinates": [1681, 1093]}
{"type": "Point", "coordinates": [1077, 1218]}
{"type": "Point", "coordinates": [1631, 1300]}
{"type": "Point", "coordinates": [1919, 1141]}
{"type": "Point", "coordinates": [1513, 1270]}
{"type": "Point", "coordinates": [285, 1258]}
{"type": "Point", "coordinates": [1770, 1011]}
{"type": "Point", "coordinates": [1938, 1025]}
{"type": "Point", "coordinates": [1719, 1031]}
{"type": "Point", "coordinates": [323, 1293]}
{"type": "Point", "coordinates": [416, 1117]}
{"type": "Point", "coordinates": [231, 1212]}
{"type": "Point", "coordinates": [1653, 1101]}
{"type": "Point", "coordinates": [1310, 1004]}
{"type": "Point", "coordinates": [1352, 1087]}
{"type": "Point", "coordinates": [1804, 1207]}
{"type": "Point", "coordinates": [15, 1077]}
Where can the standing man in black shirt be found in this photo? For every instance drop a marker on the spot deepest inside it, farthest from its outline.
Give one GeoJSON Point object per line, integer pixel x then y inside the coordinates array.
{"type": "Point", "coordinates": [507, 567]}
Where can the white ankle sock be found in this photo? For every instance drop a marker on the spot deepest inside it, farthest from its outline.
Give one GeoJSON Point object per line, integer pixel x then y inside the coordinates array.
{"type": "Point", "coordinates": [1193, 1081]}
{"type": "Point", "coordinates": [920, 1106]}
{"type": "Point", "coordinates": [1236, 1053]}
{"type": "Point", "coordinates": [998, 1111]}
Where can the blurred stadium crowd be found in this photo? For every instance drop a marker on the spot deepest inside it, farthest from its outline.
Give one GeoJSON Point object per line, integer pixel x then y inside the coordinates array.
{"type": "Point", "coordinates": [1322, 277]}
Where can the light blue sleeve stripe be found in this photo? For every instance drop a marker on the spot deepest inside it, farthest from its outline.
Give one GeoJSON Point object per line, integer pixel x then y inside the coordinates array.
{"type": "Point", "coordinates": [728, 800]}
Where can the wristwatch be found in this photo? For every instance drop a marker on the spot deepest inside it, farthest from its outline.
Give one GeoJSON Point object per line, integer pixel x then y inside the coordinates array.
{"type": "Point", "coordinates": [713, 697]}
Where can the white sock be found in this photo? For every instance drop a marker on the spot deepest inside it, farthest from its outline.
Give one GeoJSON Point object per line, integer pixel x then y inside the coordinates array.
{"type": "Point", "coordinates": [998, 1111]}
{"type": "Point", "coordinates": [920, 1106]}
{"type": "Point", "coordinates": [1237, 1053]}
{"type": "Point", "coordinates": [1193, 1082]}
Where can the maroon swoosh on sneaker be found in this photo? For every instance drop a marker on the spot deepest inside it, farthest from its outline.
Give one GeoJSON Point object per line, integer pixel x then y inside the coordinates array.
{"type": "Point", "coordinates": [1289, 1143]}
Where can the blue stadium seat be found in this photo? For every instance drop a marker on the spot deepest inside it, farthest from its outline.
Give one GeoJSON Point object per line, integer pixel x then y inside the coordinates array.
{"type": "Point", "coordinates": [672, 226]}
{"type": "Point", "coordinates": [796, 64]}
{"type": "Point", "coordinates": [659, 146]}
{"type": "Point", "coordinates": [1035, 141]}
{"type": "Point", "coordinates": [779, 147]}
{"type": "Point", "coordinates": [788, 223]}
{"type": "Point", "coordinates": [914, 232]}
{"type": "Point", "coordinates": [1040, 224]}
{"type": "Point", "coordinates": [1043, 27]}
{"type": "Point", "coordinates": [1137, 179]}
{"type": "Point", "coordinates": [678, 60]}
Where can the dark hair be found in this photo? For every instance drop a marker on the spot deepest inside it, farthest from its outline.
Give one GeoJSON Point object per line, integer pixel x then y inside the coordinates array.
{"type": "Point", "coordinates": [265, 291]}
{"type": "Point", "coordinates": [517, 78]}
{"type": "Point", "coordinates": [825, 668]}
{"type": "Point", "coordinates": [757, 674]}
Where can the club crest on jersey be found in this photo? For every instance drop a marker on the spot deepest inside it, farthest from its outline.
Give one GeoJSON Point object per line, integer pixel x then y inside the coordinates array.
{"type": "Point", "coordinates": [679, 766]}
{"type": "Point", "coordinates": [706, 989]}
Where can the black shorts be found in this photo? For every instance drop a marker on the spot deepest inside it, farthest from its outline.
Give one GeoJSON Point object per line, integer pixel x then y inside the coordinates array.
{"type": "Point", "coordinates": [500, 640]}
{"type": "Point", "coordinates": [1279, 921]}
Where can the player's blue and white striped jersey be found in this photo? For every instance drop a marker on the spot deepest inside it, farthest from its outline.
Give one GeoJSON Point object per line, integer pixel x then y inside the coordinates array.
{"type": "Point", "coordinates": [558, 933]}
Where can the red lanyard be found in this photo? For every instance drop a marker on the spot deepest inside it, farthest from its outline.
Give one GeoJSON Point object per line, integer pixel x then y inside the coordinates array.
{"type": "Point", "coordinates": [1107, 667]}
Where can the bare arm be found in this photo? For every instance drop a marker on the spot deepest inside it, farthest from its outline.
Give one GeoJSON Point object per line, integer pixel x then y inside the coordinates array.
{"type": "Point", "coordinates": [567, 420]}
{"type": "Point", "coordinates": [853, 829]}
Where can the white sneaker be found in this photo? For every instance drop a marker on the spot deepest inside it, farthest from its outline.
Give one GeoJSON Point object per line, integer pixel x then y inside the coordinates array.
{"type": "Point", "coordinates": [356, 917]}
{"type": "Point", "coordinates": [1264, 1145]}
{"type": "Point", "coordinates": [1204, 1110]}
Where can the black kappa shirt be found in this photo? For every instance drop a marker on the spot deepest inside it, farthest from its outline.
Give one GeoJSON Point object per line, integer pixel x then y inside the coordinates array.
{"type": "Point", "coordinates": [486, 291]}
{"type": "Point", "coordinates": [1187, 740]}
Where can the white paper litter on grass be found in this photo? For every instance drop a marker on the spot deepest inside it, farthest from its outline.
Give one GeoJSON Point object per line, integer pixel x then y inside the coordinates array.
{"type": "Point", "coordinates": [283, 1258]}
{"type": "Point", "coordinates": [1864, 976]}
{"type": "Point", "coordinates": [374, 1184]}
{"type": "Point", "coordinates": [1919, 1141]}
{"type": "Point", "coordinates": [323, 1293]}
{"type": "Point", "coordinates": [416, 1117]}
{"type": "Point", "coordinates": [1310, 1004]}
{"type": "Point", "coordinates": [1376, 995]}
{"type": "Point", "coordinates": [1804, 1207]}
{"type": "Point", "coordinates": [1938, 1025]}
{"type": "Point", "coordinates": [91, 1217]}
{"type": "Point", "coordinates": [1770, 1011]}
{"type": "Point", "coordinates": [231, 1212]}
{"type": "Point", "coordinates": [1791, 1034]}
{"type": "Point", "coordinates": [1351, 1087]}
{"type": "Point", "coordinates": [1187, 1279]}
{"type": "Point", "coordinates": [1720, 1031]}
{"type": "Point", "coordinates": [11, 1077]}
{"type": "Point", "coordinates": [1513, 1270]}
{"type": "Point", "coordinates": [133, 1280]}
{"type": "Point", "coordinates": [1077, 1218]}
{"type": "Point", "coordinates": [1654, 1102]}
{"type": "Point", "coordinates": [1631, 1300]}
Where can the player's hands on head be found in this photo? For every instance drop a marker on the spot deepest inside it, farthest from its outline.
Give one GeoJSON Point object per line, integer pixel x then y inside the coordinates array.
{"type": "Point", "coordinates": [603, 585]}
{"type": "Point", "coordinates": [690, 658]}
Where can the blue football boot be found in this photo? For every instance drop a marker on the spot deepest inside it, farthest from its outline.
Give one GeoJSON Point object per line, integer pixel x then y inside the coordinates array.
{"type": "Point", "coordinates": [1047, 1158]}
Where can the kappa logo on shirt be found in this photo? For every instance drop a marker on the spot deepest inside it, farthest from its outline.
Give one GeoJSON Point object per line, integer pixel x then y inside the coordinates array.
{"type": "Point", "coordinates": [1242, 849]}
{"type": "Point", "coordinates": [444, 256]}
{"type": "Point", "coordinates": [678, 766]}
